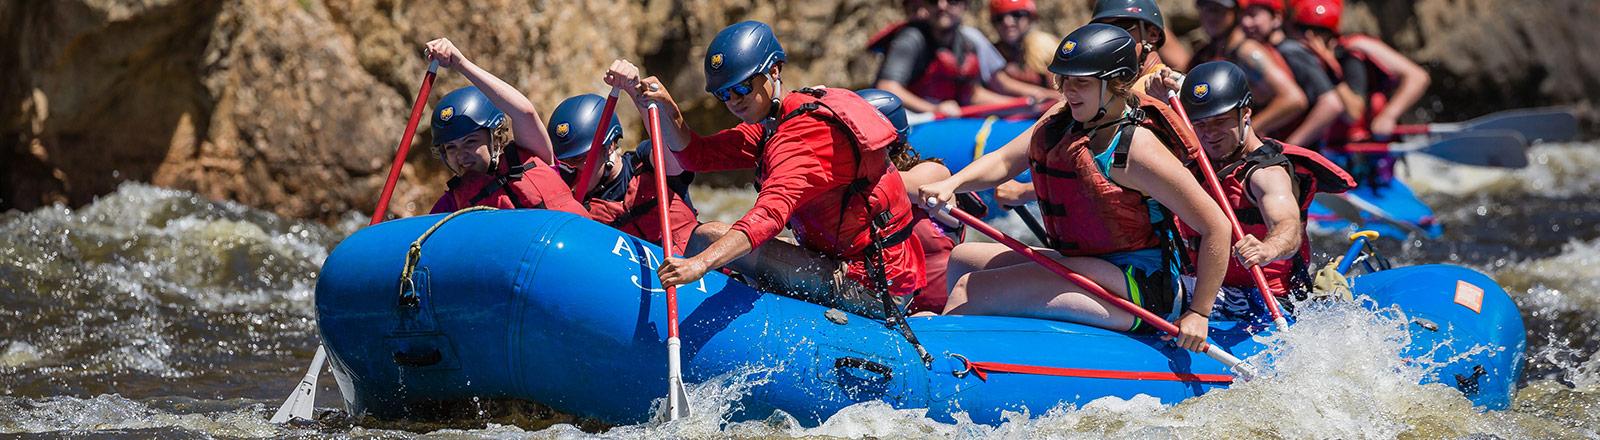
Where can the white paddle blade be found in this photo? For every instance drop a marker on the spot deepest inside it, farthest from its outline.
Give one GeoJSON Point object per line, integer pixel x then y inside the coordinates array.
{"type": "Point", "coordinates": [1484, 148]}
{"type": "Point", "coordinates": [1245, 372]}
{"type": "Point", "coordinates": [1546, 124]}
{"type": "Point", "coordinates": [304, 398]}
{"type": "Point", "coordinates": [1341, 208]}
{"type": "Point", "coordinates": [677, 395]}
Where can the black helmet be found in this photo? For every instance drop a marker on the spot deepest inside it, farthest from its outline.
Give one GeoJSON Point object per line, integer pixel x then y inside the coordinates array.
{"type": "Point", "coordinates": [1214, 88]}
{"type": "Point", "coordinates": [1097, 50]}
{"type": "Point", "coordinates": [1106, 11]}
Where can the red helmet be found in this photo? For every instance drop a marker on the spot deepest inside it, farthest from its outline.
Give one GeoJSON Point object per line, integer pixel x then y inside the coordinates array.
{"type": "Point", "coordinates": [1002, 7]}
{"type": "Point", "coordinates": [1276, 6]}
{"type": "Point", "coordinates": [1318, 13]}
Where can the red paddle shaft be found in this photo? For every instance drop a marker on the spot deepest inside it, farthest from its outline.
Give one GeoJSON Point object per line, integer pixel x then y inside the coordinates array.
{"type": "Point", "coordinates": [405, 144]}
{"type": "Point", "coordinates": [659, 162]}
{"type": "Point", "coordinates": [1227, 209]}
{"type": "Point", "coordinates": [1161, 324]}
{"type": "Point", "coordinates": [591, 159]}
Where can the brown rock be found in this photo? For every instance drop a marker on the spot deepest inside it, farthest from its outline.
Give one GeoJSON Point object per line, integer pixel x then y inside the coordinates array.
{"type": "Point", "coordinates": [295, 106]}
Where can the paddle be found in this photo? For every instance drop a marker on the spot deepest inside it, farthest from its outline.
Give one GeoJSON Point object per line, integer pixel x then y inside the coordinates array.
{"type": "Point", "coordinates": [1032, 222]}
{"type": "Point", "coordinates": [1548, 124]}
{"type": "Point", "coordinates": [303, 399]}
{"type": "Point", "coordinates": [1349, 208]}
{"type": "Point", "coordinates": [1486, 148]}
{"type": "Point", "coordinates": [1204, 163]}
{"type": "Point", "coordinates": [1053, 266]}
{"type": "Point", "coordinates": [591, 159]}
{"type": "Point", "coordinates": [973, 111]}
{"type": "Point", "coordinates": [677, 396]}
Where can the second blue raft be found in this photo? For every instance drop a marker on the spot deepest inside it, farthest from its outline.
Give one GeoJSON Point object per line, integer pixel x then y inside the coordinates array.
{"type": "Point", "coordinates": [960, 141]}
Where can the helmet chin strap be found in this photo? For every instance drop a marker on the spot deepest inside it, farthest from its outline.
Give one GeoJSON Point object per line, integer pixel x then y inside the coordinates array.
{"type": "Point", "coordinates": [777, 96]}
{"type": "Point", "coordinates": [1103, 102]}
{"type": "Point", "coordinates": [1238, 148]}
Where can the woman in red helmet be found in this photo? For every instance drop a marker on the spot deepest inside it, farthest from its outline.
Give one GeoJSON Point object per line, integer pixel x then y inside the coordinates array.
{"type": "Point", "coordinates": [1026, 49]}
{"type": "Point", "coordinates": [1378, 83]}
{"type": "Point", "coordinates": [1281, 100]}
{"type": "Point", "coordinates": [1262, 20]}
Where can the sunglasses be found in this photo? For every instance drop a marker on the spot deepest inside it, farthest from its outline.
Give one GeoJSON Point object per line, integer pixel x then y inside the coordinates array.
{"type": "Point", "coordinates": [742, 88]}
{"type": "Point", "coordinates": [1014, 15]}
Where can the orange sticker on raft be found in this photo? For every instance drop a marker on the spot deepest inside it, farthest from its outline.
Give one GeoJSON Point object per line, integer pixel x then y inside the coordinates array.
{"type": "Point", "coordinates": [1469, 296]}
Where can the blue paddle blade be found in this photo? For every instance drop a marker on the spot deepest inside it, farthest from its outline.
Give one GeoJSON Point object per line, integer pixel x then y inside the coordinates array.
{"type": "Point", "coordinates": [1484, 148]}
{"type": "Point", "coordinates": [1534, 124]}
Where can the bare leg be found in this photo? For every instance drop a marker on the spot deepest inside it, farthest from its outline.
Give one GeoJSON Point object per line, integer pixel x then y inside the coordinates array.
{"type": "Point", "coordinates": [1031, 291]}
{"type": "Point", "coordinates": [974, 256]}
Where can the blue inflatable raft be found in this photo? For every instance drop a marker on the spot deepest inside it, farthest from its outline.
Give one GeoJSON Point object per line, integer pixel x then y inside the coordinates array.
{"type": "Point", "coordinates": [557, 309]}
{"type": "Point", "coordinates": [552, 308]}
{"type": "Point", "coordinates": [960, 141]}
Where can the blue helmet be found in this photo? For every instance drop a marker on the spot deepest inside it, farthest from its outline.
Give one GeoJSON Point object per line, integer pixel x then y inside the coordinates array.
{"type": "Point", "coordinates": [462, 112]}
{"type": "Point", "coordinates": [573, 122]}
{"type": "Point", "coordinates": [739, 52]}
{"type": "Point", "coordinates": [891, 107]}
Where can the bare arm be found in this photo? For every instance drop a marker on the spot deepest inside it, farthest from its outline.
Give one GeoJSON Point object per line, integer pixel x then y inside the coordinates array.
{"type": "Point", "coordinates": [1414, 82]}
{"type": "Point", "coordinates": [1155, 171]}
{"type": "Point", "coordinates": [911, 101]}
{"type": "Point", "coordinates": [526, 125]}
{"type": "Point", "coordinates": [991, 169]}
{"type": "Point", "coordinates": [674, 131]}
{"type": "Point", "coordinates": [1287, 101]}
{"type": "Point", "coordinates": [1011, 86]}
{"type": "Point", "coordinates": [1327, 109]}
{"type": "Point", "coordinates": [1174, 53]}
{"type": "Point", "coordinates": [922, 174]}
{"type": "Point", "coordinates": [1274, 194]}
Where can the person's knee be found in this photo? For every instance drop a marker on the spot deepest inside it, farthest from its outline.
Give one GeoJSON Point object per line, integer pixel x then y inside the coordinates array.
{"type": "Point", "coordinates": [958, 295]}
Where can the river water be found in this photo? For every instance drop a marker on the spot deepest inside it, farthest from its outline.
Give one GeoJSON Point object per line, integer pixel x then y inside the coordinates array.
{"type": "Point", "coordinates": [158, 313]}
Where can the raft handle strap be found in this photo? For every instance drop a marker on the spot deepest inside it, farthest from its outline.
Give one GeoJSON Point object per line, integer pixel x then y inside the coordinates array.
{"type": "Point", "coordinates": [983, 369]}
{"type": "Point", "coordinates": [408, 286]}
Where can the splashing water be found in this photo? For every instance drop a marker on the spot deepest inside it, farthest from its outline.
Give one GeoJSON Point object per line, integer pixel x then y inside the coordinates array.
{"type": "Point", "coordinates": [154, 312]}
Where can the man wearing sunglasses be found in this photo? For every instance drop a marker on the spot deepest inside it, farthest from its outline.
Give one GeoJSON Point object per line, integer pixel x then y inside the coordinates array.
{"type": "Point", "coordinates": [822, 168]}
{"type": "Point", "coordinates": [936, 64]}
{"type": "Point", "coordinates": [1027, 51]}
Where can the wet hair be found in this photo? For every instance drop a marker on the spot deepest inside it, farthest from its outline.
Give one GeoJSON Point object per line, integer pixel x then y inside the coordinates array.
{"type": "Point", "coordinates": [904, 157]}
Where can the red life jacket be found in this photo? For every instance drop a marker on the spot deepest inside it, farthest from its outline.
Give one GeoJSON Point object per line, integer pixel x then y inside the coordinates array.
{"type": "Point", "coordinates": [1311, 173]}
{"type": "Point", "coordinates": [936, 247]}
{"type": "Point", "coordinates": [639, 212]}
{"type": "Point", "coordinates": [1381, 81]}
{"type": "Point", "coordinates": [872, 214]}
{"type": "Point", "coordinates": [530, 184]}
{"type": "Point", "coordinates": [952, 74]}
{"type": "Point", "coordinates": [1085, 213]}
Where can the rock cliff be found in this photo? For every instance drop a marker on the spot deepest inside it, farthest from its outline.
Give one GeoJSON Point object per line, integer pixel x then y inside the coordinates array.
{"type": "Point", "coordinates": [296, 106]}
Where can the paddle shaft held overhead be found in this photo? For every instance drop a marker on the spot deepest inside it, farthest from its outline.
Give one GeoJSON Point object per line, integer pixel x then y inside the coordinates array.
{"type": "Point", "coordinates": [405, 143]}
{"type": "Point", "coordinates": [591, 159]}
